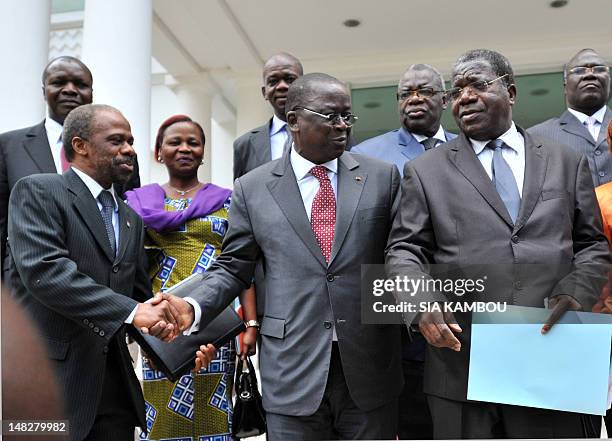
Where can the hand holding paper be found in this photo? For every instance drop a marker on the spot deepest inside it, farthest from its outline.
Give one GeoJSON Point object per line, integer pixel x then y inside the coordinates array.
{"type": "Point", "coordinates": [559, 305]}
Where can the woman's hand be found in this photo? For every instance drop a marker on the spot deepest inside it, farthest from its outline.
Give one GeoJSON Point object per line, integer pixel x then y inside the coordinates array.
{"type": "Point", "coordinates": [249, 343]}
{"type": "Point", "coordinates": [204, 356]}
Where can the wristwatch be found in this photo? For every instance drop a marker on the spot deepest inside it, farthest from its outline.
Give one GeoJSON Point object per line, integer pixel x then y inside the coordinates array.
{"type": "Point", "coordinates": [252, 324]}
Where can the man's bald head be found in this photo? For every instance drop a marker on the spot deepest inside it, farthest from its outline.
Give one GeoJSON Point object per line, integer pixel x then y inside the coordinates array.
{"type": "Point", "coordinates": [306, 88]}
{"type": "Point", "coordinates": [279, 72]}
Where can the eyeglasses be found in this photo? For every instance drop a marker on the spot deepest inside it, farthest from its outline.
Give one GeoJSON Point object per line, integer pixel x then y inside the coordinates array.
{"type": "Point", "coordinates": [425, 92]}
{"type": "Point", "coordinates": [334, 118]}
{"type": "Point", "coordinates": [476, 86]}
{"type": "Point", "coordinates": [582, 70]}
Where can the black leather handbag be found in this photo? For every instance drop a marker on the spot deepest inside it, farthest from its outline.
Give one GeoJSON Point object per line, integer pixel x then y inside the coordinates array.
{"type": "Point", "coordinates": [249, 416]}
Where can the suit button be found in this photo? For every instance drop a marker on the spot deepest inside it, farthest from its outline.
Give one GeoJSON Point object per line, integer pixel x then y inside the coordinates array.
{"type": "Point", "coordinates": [518, 285]}
{"type": "Point", "coordinates": [115, 268]}
{"type": "Point", "coordinates": [91, 325]}
{"type": "Point", "coordinates": [105, 349]}
{"type": "Point", "coordinates": [327, 325]}
{"type": "Point", "coordinates": [102, 333]}
{"type": "Point", "coordinates": [597, 152]}
{"type": "Point", "coordinates": [96, 329]}
{"type": "Point", "coordinates": [602, 173]}
{"type": "Point", "coordinates": [515, 239]}
{"type": "Point", "coordinates": [85, 321]}
{"type": "Point", "coordinates": [330, 277]}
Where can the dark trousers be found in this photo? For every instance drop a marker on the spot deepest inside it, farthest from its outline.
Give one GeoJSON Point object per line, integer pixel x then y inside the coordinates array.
{"type": "Point", "coordinates": [337, 417]}
{"type": "Point", "coordinates": [477, 420]}
{"type": "Point", "coordinates": [414, 418]}
{"type": "Point", "coordinates": [115, 418]}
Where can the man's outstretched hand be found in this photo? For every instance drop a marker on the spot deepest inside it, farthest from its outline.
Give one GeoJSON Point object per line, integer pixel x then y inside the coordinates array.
{"type": "Point", "coordinates": [439, 330]}
{"type": "Point", "coordinates": [158, 318]}
{"type": "Point", "coordinates": [559, 305]}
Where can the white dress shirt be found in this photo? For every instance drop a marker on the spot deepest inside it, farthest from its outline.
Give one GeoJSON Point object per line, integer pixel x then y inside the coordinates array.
{"type": "Point", "coordinates": [278, 137]}
{"type": "Point", "coordinates": [514, 156]}
{"type": "Point", "coordinates": [54, 135]}
{"type": "Point", "coordinates": [439, 135]}
{"type": "Point", "coordinates": [597, 116]}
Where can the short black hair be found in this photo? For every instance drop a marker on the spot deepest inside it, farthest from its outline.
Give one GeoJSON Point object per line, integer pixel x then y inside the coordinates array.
{"type": "Point", "coordinates": [420, 67]}
{"type": "Point", "coordinates": [68, 59]}
{"type": "Point", "coordinates": [284, 56]}
{"type": "Point", "coordinates": [573, 59]}
{"type": "Point", "coordinates": [500, 64]}
{"type": "Point", "coordinates": [302, 90]}
{"type": "Point", "coordinates": [79, 123]}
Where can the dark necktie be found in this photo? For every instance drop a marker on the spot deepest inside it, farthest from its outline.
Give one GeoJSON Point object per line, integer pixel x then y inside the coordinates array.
{"type": "Point", "coordinates": [108, 207]}
{"type": "Point", "coordinates": [503, 179]}
{"type": "Point", "coordinates": [323, 213]}
{"type": "Point", "coordinates": [429, 143]}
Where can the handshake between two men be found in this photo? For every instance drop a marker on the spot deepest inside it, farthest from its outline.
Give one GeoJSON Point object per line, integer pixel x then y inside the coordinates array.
{"type": "Point", "coordinates": [166, 316]}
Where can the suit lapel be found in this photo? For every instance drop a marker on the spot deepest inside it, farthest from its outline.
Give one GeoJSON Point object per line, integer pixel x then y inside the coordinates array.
{"type": "Point", "coordinates": [570, 124]}
{"type": "Point", "coordinates": [603, 130]}
{"type": "Point", "coordinates": [37, 147]}
{"type": "Point", "coordinates": [87, 207]}
{"type": "Point", "coordinates": [463, 157]}
{"type": "Point", "coordinates": [410, 147]}
{"type": "Point", "coordinates": [350, 186]}
{"type": "Point", "coordinates": [124, 230]}
{"type": "Point", "coordinates": [535, 172]}
{"type": "Point", "coordinates": [260, 143]}
{"type": "Point", "coordinates": [286, 193]}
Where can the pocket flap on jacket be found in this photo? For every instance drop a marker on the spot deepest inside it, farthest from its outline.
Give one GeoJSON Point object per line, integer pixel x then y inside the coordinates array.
{"type": "Point", "coordinates": [273, 327]}
{"type": "Point", "coordinates": [57, 349]}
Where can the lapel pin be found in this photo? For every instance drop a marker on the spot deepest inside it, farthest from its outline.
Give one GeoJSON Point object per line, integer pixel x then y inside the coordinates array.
{"type": "Point", "coordinates": [358, 178]}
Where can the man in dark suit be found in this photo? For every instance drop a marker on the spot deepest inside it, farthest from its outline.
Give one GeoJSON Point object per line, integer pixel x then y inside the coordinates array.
{"type": "Point", "coordinates": [422, 99]}
{"type": "Point", "coordinates": [583, 125]}
{"type": "Point", "coordinates": [66, 84]}
{"type": "Point", "coordinates": [76, 263]}
{"type": "Point", "coordinates": [315, 215]}
{"type": "Point", "coordinates": [265, 143]}
{"type": "Point", "coordinates": [498, 198]}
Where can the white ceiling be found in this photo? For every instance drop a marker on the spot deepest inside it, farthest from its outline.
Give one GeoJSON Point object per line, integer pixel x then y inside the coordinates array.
{"type": "Point", "coordinates": [229, 38]}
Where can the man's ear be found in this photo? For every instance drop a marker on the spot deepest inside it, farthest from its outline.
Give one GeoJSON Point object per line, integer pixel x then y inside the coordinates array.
{"type": "Point", "coordinates": [444, 100]}
{"type": "Point", "coordinates": [512, 93]}
{"type": "Point", "coordinates": [292, 121]}
{"type": "Point", "coordinates": [263, 92]}
{"type": "Point", "coordinates": [80, 146]}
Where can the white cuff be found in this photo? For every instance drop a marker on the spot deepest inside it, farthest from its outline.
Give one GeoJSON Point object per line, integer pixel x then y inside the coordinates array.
{"type": "Point", "coordinates": [197, 315]}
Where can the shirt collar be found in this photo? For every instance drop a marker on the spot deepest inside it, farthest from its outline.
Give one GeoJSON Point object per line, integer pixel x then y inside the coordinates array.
{"type": "Point", "coordinates": [439, 135]}
{"type": "Point", "coordinates": [511, 137]}
{"type": "Point", "coordinates": [599, 115]}
{"type": "Point", "coordinates": [94, 188]}
{"type": "Point", "coordinates": [54, 130]}
{"type": "Point", "coordinates": [277, 125]}
{"type": "Point", "coordinates": [302, 166]}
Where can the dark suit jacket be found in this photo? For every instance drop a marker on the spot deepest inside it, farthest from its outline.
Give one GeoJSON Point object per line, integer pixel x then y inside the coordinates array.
{"type": "Point", "coordinates": [62, 270]}
{"type": "Point", "coordinates": [252, 150]}
{"type": "Point", "coordinates": [567, 130]}
{"type": "Point", "coordinates": [26, 152]}
{"type": "Point", "coordinates": [304, 295]}
{"type": "Point", "coordinates": [396, 147]}
{"type": "Point", "coordinates": [451, 214]}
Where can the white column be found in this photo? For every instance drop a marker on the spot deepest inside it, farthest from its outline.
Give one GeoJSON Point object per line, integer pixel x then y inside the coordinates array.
{"type": "Point", "coordinates": [24, 33]}
{"type": "Point", "coordinates": [117, 49]}
{"type": "Point", "coordinates": [252, 110]}
{"type": "Point", "coordinates": [194, 96]}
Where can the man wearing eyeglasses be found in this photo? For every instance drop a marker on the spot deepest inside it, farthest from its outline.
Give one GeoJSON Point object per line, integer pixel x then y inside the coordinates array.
{"type": "Point", "coordinates": [422, 100]}
{"type": "Point", "coordinates": [583, 125]}
{"type": "Point", "coordinates": [315, 216]}
{"type": "Point", "coordinates": [510, 207]}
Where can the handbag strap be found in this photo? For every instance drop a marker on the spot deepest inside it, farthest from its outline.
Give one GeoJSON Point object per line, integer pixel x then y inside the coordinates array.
{"type": "Point", "coordinates": [252, 375]}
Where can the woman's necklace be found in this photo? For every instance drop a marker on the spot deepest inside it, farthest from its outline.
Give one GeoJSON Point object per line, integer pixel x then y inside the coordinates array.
{"type": "Point", "coordinates": [184, 192]}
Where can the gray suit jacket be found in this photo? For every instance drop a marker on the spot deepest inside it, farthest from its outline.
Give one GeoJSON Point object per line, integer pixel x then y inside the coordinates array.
{"type": "Point", "coordinates": [396, 147]}
{"type": "Point", "coordinates": [62, 270]}
{"type": "Point", "coordinates": [451, 214]}
{"type": "Point", "coordinates": [567, 130]}
{"type": "Point", "coordinates": [26, 152]}
{"type": "Point", "coordinates": [304, 295]}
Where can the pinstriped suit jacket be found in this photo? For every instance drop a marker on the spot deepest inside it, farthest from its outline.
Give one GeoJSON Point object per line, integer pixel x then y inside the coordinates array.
{"type": "Point", "coordinates": [567, 130]}
{"type": "Point", "coordinates": [62, 270]}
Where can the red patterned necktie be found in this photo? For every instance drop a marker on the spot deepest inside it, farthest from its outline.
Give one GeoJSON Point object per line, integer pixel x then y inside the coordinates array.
{"type": "Point", "coordinates": [323, 214]}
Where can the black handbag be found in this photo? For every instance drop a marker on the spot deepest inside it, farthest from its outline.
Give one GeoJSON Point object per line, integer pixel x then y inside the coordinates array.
{"type": "Point", "coordinates": [249, 416]}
